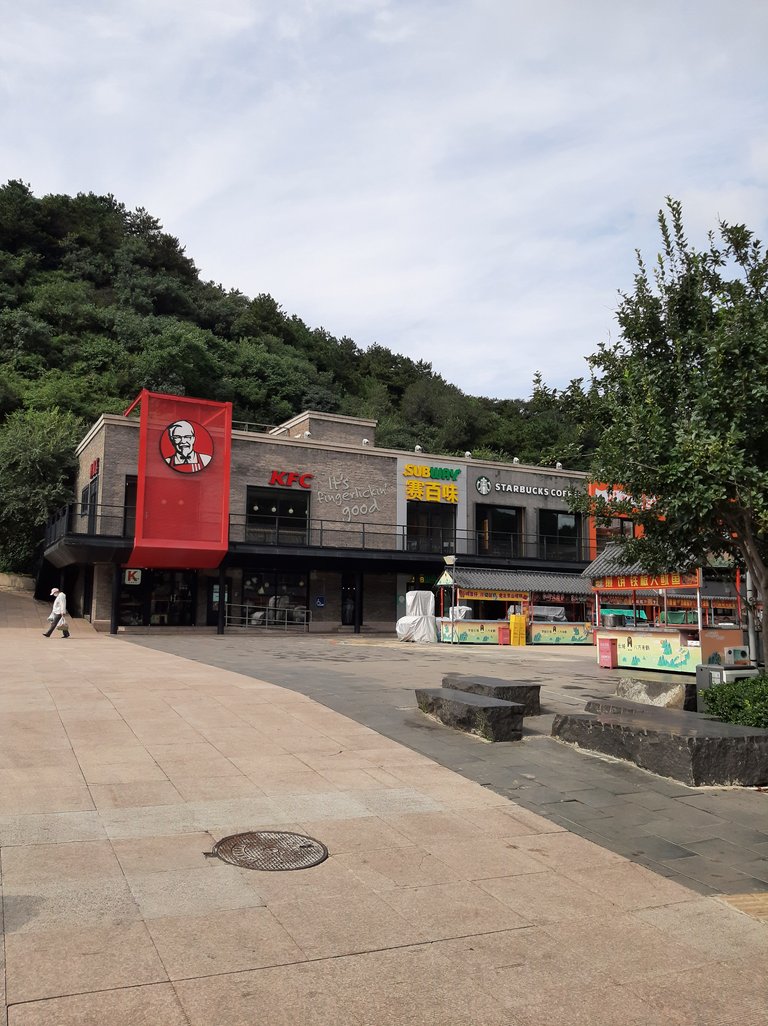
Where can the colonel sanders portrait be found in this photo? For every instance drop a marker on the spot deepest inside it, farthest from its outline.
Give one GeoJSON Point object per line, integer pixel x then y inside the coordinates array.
{"type": "Point", "coordinates": [185, 457]}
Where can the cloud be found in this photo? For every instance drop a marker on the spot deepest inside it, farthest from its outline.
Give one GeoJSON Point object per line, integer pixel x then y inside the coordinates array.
{"type": "Point", "coordinates": [462, 182]}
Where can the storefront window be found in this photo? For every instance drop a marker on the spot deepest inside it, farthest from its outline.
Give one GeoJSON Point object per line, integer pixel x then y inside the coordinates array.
{"type": "Point", "coordinates": [499, 530]}
{"type": "Point", "coordinates": [273, 599]}
{"type": "Point", "coordinates": [431, 527]}
{"type": "Point", "coordinates": [162, 598]}
{"type": "Point", "coordinates": [559, 535]}
{"type": "Point", "coordinates": [276, 516]}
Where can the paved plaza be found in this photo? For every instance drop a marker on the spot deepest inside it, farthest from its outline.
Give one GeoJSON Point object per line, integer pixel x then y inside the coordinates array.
{"type": "Point", "coordinates": [468, 884]}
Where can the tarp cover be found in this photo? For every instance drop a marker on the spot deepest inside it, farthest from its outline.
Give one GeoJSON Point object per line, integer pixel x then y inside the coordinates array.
{"type": "Point", "coordinates": [419, 622]}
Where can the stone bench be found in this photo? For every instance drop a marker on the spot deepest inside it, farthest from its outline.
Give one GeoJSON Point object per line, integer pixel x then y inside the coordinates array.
{"type": "Point", "coordinates": [696, 750]}
{"type": "Point", "coordinates": [491, 718]}
{"type": "Point", "coordinates": [527, 694]}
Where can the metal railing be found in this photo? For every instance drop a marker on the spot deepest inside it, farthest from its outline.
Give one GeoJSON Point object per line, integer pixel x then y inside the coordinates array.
{"type": "Point", "coordinates": [91, 520]}
{"type": "Point", "coordinates": [265, 617]}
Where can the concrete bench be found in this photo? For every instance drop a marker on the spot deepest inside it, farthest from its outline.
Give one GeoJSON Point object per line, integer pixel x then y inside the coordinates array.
{"type": "Point", "coordinates": [527, 694]}
{"type": "Point", "coordinates": [491, 718]}
{"type": "Point", "coordinates": [696, 750]}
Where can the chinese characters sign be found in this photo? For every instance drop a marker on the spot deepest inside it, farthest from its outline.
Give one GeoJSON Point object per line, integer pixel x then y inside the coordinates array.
{"type": "Point", "coordinates": [431, 484]}
{"type": "Point", "coordinates": [640, 582]}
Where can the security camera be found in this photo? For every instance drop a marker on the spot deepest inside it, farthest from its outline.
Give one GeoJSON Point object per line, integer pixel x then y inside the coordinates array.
{"type": "Point", "coordinates": [307, 434]}
{"type": "Point", "coordinates": [558, 465]}
{"type": "Point", "coordinates": [417, 448]}
{"type": "Point", "coordinates": [515, 460]}
{"type": "Point", "coordinates": [468, 455]}
{"type": "Point", "coordinates": [366, 442]}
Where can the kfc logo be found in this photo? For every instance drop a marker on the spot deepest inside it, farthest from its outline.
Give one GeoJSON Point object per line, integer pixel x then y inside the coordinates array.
{"type": "Point", "coordinates": [186, 447]}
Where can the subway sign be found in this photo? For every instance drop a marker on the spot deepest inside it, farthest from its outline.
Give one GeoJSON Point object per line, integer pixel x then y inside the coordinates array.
{"type": "Point", "coordinates": [431, 473]}
{"type": "Point", "coordinates": [431, 484]}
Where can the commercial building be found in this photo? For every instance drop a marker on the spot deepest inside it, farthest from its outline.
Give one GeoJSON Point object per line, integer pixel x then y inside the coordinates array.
{"type": "Point", "coordinates": [313, 526]}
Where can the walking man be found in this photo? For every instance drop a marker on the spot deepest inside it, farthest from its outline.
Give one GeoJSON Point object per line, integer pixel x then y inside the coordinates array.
{"type": "Point", "coordinates": [58, 613]}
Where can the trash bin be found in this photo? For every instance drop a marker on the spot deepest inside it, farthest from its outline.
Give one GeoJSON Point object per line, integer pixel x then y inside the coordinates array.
{"type": "Point", "coordinates": [608, 653]}
{"type": "Point", "coordinates": [503, 634]}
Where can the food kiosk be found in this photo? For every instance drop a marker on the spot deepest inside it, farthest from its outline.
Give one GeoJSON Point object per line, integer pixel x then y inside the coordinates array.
{"type": "Point", "coordinates": [660, 621]}
{"type": "Point", "coordinates": [502, 607]}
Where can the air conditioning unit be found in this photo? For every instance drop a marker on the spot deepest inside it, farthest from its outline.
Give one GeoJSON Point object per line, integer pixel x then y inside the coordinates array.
{"type": "Point", "coordinates": [736, 656]}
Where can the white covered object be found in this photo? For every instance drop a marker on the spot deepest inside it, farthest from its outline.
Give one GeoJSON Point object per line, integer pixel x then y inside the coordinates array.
{"type": "Point", "coordinates": [459, 612]}
{"type": "Point", "coordinates": [419, 622]}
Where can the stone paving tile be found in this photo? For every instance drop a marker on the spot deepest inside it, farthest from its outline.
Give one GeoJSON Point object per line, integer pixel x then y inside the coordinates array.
{"type": "Point", "coordinates": [57, 962]}
{"type": "Point", "coordinates": [367, 833]}
{"type": "Point", "coordinates": [725, 992]}
{"type": "Point", "coordinates": [134, 795]}
{"type": "Point", "coordinates": [52, 905]}
{"type": "Point", "coordinates": [547, 897]}
{"type": "Point", "coordinates": [283, 996]}
{"type": "Point", "coordinates": [132, 1006]}
{"type": "Point", "coordinates": [558, 850]}
{"type": "Point", "coordinates": [184, 892]}
{"type": "Point", "coordinates": [324, 927]}
{"type": "Point", "coordinates": [717, 875]}
{"type": "Point", "coordinates": [29, 865]}
{"type": "Point", "coordinates": [51, 828]}
{"type": "Point", "coordinates": [222, 942]}
{"type": "Point", "coordinates": [142, 855]}
{"type": "Point", "coordinates": [629, 886]}
{"type": "Point", "coordinates": [718, 931]}
{"type": "Point", "coordinates": [440, 911]}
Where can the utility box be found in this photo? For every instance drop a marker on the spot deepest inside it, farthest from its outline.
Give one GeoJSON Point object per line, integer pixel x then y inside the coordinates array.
{"type": "Point", "coordinates": [504, 633]}
{"type": "Point", "coordinates": [608, 653]}
{"type": "Point", "coordinates": [727, 674]}
{"type": "Point", "coordinates": [736, 656]}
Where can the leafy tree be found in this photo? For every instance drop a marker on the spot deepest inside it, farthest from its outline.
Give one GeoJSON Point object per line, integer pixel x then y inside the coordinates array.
{"type": "Point", "coordinates": [686, 389]}
{"type": "Point", "coordinates": [37, 456]}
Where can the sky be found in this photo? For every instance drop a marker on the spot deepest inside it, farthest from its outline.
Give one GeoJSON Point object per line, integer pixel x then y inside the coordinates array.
{"type": "Point", "coordinates": [464, 182]}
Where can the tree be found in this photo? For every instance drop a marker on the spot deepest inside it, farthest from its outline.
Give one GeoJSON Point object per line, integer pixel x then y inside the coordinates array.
{"type": "Point", "coordinates": [685, 387]}
{"type": "Point", "coordinates": [37, 454]}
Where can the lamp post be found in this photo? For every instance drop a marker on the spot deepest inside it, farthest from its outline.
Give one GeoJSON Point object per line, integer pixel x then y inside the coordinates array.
{"type": "Point", "coordinates": [450, 563]}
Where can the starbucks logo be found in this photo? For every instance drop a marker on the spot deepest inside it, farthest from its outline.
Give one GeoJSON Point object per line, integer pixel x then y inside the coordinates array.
{"type": "Point", "coordinates": [483, 485]}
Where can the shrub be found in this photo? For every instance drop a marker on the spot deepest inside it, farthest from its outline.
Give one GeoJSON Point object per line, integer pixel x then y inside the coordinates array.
{"type": "Point", "coordinates": [743, 701]}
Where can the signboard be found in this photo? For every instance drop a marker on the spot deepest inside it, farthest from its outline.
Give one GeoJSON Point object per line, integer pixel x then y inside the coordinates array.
{"type": "Point", "coordinates": [494, 596]}
{"type": "Point", "coordinates": [655, 651]}
{"type": "Point", "coordinates": [561, 634]}
{"type": "Point", "coordinates": [182, 495]}
{"type": "Point", "coordinates": [132, 577]}
{"type": "Point", "coordinates": [431, 484]}
{"type": "Point", "coordinates": [470, 632]}
{"type": "Point", "coordinates": [645, 582]}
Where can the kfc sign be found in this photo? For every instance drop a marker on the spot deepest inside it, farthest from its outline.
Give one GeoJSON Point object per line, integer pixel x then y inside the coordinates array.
{"type": "Point", "coordinates": [94, 468]}
{"type": "Point", "coordinates": [287, 479]}
{"type": "Point", "coordinates": [132, 577]}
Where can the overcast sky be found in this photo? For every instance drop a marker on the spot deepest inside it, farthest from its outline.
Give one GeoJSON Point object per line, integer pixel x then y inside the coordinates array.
{"type": "Point", "coordinates": [462, 181]}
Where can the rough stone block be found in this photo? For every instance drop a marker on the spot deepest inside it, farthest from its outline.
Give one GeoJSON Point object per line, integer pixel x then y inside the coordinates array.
{"type": "Point", "coordinates": [651, 692]}
{"type": "Point", "coordinates": [692, 749]}
{"type": "Point", "coordinates": [491, 718]}
{"type": "Point", "coordinates": [527, 694]}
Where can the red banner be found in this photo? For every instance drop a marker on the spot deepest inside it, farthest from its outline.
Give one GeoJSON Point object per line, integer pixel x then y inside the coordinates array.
{"type": "Point", "coordinates": [182, 501]}
{"type": "Point", "coordinates": [643, 582]}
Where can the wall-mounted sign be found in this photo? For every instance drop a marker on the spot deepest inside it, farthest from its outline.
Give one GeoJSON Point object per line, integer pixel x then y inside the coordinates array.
{"type": "Point", "coordinates": [186, 446]}
{"type": "Point", "coordinates": [287, 479]}
{"type": "Point", "coordinates": [433, 473]}
{"type": "Point", "coordinates": [132, 577]}
{"type": "Point", "coordinates": [94, 469]}
{"type": "Point", "coordinates": [494, 596]}
{"type": "Point", "coordinates": [182, 514]}
{"type": "Point", "coordinates": [640, 582]}
{"type": "Point", "coordinates": [320, 602]}
{"type": "Point", "coordinates": [483, 485]}
{"type": "Point", "coordinates": [522, 489]}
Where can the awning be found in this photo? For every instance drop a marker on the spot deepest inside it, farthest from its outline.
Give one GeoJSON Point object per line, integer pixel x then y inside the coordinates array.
{"type": "Point", "coordinates": [517, 580]}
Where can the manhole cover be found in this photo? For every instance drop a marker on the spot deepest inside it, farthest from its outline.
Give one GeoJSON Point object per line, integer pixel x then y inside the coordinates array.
{"type": "Point", "coordinates": [271, 850]}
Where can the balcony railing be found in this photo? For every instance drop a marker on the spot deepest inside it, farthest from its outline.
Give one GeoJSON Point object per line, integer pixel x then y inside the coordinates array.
{"type": "Point", "coordinates": [287, 532]}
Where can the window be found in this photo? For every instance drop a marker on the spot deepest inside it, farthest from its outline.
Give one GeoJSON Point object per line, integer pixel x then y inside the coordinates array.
{"type": "Point", "coordinates": [616, 529]}
{"type": "Point", "coordinates": [431, 527]}
{"type": "Point", "coordinates": [499, 530]}
{"type": "Point", "coordinates": [276, 516]}
{"type": "Point", "coordinates": [273, 599]}
{"type": "Point", "coordinates": [559, 535]}
{"type": "Point", "coordinates": [129, 506]}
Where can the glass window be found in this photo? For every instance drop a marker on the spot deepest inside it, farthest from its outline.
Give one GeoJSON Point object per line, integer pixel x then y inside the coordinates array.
{"type": "Point", "coordinates": [271, 598]}
{"type": "Point", "coordinates": [276, 516]}
{"type": "Point", "coordinates": [499, 530]}
{"type": "Point", "coordinates": [431, 527]}
{"type": "Point", "coordinates": [614, 530]}
{"type": "Point", "coordinates": [559, 535]}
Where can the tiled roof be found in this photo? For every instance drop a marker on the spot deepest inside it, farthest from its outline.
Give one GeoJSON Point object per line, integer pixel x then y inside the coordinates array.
{"type": "Point", "coordinates": [612, 561]}
{"type": "Point", "coordinates": [520, 580]}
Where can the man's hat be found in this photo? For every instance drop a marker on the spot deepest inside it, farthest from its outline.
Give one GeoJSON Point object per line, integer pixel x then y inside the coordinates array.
{"type": "Point", "coordinates": [54, 591]}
